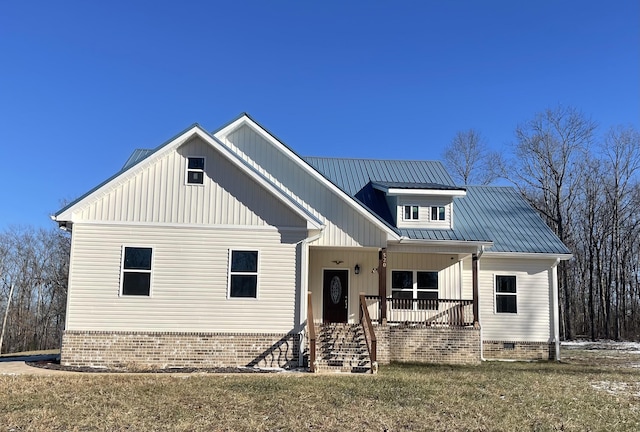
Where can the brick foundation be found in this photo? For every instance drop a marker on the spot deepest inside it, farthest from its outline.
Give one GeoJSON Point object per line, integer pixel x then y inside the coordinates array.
{"type": "Point", "coordinates": [167, 349]}
{"type": "Point", "coordinates": [422, 344]}
{"type": "Point", "coordinates": [510, 350]}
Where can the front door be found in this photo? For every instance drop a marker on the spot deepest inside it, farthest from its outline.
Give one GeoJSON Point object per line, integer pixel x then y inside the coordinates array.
{"type": "Point", "coordinates": [335, 298]}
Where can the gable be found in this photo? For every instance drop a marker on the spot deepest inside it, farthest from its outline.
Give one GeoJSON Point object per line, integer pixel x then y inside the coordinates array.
{"type": "Point", "coordinates": [347, 222]}
{"type": "Point", "coordinates": [155, 191]}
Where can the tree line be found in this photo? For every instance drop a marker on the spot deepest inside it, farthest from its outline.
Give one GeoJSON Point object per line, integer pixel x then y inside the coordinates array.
{"type": "Point", "coordinates": [586, 185]}
{"type": "Point", "coordinates": [34, 266]}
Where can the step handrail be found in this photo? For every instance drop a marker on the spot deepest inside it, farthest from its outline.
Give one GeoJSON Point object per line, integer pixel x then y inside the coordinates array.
{"type": "Point", "coordinates": [311, 328]}
{"type": "Point", "coordinates": [372, 340]}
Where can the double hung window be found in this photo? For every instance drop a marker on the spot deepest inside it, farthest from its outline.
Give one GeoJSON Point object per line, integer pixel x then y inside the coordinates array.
{"type": "Point", "coordinates": [135, 277]}
{"type": "Point", "coordinates": [506, 294]}
{"type": "Point", "coordinates": [414, 289]}
{"type": "Point", "coordinates": [243, 274]}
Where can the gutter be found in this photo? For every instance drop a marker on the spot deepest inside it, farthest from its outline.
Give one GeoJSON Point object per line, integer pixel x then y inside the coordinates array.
{"type": "Point", "coordinates": [556, 318]}
{"type": "Point", "coordinates": [479, 254]}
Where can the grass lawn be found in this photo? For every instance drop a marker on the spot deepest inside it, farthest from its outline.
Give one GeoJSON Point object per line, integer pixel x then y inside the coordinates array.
{"type": "Point", "coordinates": [587, 393]}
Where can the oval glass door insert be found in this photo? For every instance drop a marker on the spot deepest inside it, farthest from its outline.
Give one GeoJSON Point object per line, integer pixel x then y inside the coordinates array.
{"type": "Point", "coordinates": [336, 290]}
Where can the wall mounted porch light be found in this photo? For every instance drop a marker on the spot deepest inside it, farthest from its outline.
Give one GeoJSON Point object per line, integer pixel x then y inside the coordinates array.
{"type": "Point", "coordinates": [356, 269]}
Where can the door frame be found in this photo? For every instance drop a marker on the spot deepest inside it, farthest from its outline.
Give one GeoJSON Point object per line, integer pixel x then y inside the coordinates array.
{"type": "Point", "coordinates": [348, 288]}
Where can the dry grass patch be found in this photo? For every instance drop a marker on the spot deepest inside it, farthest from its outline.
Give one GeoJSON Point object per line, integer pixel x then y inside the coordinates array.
{"type": "Point", "coordinates": [489, 397]}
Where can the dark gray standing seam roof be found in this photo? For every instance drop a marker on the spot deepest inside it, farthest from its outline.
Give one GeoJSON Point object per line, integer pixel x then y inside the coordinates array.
{"type": "Point", "coordinates": [486, 214]}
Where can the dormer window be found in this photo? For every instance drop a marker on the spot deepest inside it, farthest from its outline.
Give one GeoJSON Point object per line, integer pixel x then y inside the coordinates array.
{"type": "Point", "coordinates": [438, 213]}
{"type": "Point", "coordinates": [410, 212]}
{"type": "Point", "coordinates": [195, 170]}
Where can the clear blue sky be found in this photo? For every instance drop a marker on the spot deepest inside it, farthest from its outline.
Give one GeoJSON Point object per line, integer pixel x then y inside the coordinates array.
{"type": "Point", "coordinates": [82, 84]}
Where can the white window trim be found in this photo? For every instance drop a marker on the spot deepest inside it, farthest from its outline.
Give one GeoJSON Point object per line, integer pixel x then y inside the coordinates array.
{"type": "Point", "coordinates": [122, 270]}
{"type": "Point", "coordinates": [256, 273]}
{"type": "Point", "coordinates": [496, 293]}
{"type": "Point", "coordinates": [415, 288]}
{"type": "Point", "coordinates": [410, 219]}
{"type": "Point", "coordinates": [438, 207]}
{"type": "Point", "coordinates": [187, 170]}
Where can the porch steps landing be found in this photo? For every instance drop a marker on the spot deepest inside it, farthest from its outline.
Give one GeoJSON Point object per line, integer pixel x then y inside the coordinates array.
{"type": "Point", "coordinates": [343, 348]}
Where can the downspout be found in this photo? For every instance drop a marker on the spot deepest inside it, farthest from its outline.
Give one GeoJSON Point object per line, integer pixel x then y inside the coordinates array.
{"type": "Point", "coordinates": [304, 286]}
{"type": "Point", "coordinates": [478, 256]}
{"type": "Point", "coordinates": [556, 318]}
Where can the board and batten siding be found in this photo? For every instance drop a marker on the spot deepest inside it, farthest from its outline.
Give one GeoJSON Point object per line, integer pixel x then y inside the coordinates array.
{"type": "Point", "coordinates": [189, 280]}
{"type": "Point", "coordinates": [158, 193]}
{"type": "Point", "coordinates": [344, 225]}
{"type": "Point", "coordinates": [424, 212]}
{"type": "Point", "coordinates": [532, 322]}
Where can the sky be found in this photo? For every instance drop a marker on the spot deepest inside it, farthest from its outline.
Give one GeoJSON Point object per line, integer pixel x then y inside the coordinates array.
{"type": "Point", "coordinates": [83, 84]}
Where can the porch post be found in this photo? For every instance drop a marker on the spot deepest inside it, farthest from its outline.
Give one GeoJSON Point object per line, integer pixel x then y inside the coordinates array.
{"type": "Point", "coordinates": [476, 308]}
{"type": "Point", "coordinates": [382, 284]}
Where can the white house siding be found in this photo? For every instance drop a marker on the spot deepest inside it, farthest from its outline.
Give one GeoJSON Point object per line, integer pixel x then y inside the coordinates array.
{"type": "Point", "coordinates": [344, 225]}
{"type": "Point", "coordinates": [321, 258]}
{"type": "Point", "coordinates": [424, 212]}
{"type": "Point", "coordinates": [157, 192]}
{"type": "Point", "coordinates": [449, 278]}
{"type": "Point", "coordinates": [189, 280]}
{"type": "Point", "coordinates": [532, 323]}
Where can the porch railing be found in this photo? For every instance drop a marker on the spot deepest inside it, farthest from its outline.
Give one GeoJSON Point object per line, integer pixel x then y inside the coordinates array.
{"type": "Point", "coordinates": [449, 312]}
{"type": "Point", "coordinates": [311, 329]}
{"type": "Point", "coordinates": [369, 334]}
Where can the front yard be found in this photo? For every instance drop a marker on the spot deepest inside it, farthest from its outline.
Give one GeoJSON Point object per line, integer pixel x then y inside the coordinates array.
{"type": "Point", "coordinates": [594, 390]}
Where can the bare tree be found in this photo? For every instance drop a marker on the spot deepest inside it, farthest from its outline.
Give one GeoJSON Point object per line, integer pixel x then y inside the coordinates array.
{"type": "Point", "coordinates": [549, 150]}
{"type": "Point", "coordinates": [469, 159]}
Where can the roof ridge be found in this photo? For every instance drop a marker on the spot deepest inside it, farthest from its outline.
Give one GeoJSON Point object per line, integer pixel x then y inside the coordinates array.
{"type": "Point", "coordinates": [373, 159]}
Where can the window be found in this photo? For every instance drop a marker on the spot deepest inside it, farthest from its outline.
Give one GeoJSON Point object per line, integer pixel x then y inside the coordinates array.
{"type": "Point", "coordinates": [506, 294]}
{"type": "Point", "coordinates": [243, 274]}
{"type": "Point", "coordinates": [136, 271]}
{"type": "Point", "coordinates": [410, 212]}
{"type": "Point", "coordinates": [408, 285]}
{"type": "Point", "coordinates": [195, 170]}
{"type": "Point", "coordinates": [437, 213]}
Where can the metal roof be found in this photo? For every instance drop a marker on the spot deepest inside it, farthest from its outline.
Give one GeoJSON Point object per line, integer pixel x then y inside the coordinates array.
{"type": "Point", "coordinates": [136, 156]}
{"type": "Point", "coordinates": [486, 213]}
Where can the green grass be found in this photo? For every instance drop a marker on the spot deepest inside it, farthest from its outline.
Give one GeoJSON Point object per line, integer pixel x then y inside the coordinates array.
{"type": "Point", "coordinates": [494, 396]}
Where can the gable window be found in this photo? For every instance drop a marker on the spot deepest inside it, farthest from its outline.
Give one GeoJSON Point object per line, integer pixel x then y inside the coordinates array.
{"type": "Point", "coordinates": [410, 212]}
{"type": "Point", "coordinates": [414, 290]}
{"type": "Point", "coordinates": [135, 274]}
{"type": "Point", "coordinates": [438, 213]}
{"type": "Point", "coordinates": [506, 295]}
{"type": "Point", "coordinates": [243, 274]}
{"type": "Point", "coordinates": [195, 170]}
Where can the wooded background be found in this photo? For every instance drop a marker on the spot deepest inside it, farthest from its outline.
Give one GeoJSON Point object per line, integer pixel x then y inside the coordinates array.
{"type": "Point", "coordinates": [582, 180]}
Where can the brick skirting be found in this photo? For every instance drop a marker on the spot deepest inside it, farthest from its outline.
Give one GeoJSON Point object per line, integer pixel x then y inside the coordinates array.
{"type": "Point", "coordinates": [510, 350]}
{"type": "Point", "coordinates": [426, 344]}
{"type": "Point", "coordinates": [168, 349]}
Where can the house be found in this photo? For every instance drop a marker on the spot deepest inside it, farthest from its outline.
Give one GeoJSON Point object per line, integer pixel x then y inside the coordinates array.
{"type": "Point", "coordinates": [220, 248]}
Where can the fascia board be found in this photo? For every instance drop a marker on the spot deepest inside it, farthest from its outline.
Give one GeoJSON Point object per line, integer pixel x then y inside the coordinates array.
{"type": "Point", "coordinates": [246, 120]}
{"type": "Point", "coordinates": [528, 255]}
{"type": "Point", "coordinates": [426, 192]}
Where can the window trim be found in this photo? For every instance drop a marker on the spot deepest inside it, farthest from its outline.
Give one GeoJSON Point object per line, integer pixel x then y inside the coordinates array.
{"type": "Point", "coordinates": [256, 273]}
{"type": "Point", "coordinates": [188, 170]}
{"type": "Point", "coordinates": [437, 208]}
{"type": "Point", "coordinates": [496, 293]}
{"type": "Point", "coordinates": [122, 270]}
{"type": "Point", "coordinates": [415, 290]}
{"type": "Point", "coordinates": [412, 207]}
